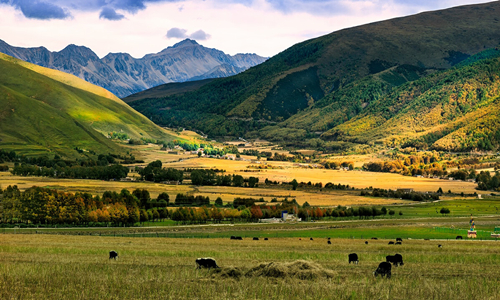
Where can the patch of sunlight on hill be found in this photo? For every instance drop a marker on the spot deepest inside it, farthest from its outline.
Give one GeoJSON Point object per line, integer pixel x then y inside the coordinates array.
{"type": "Point", "coordinates": [62, 77]}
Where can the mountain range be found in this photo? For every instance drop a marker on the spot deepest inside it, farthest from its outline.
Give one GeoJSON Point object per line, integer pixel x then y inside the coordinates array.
{"type": "Point", "coordinates": [421, 80]}
{"type": "Point", "coordinates": [123, 75]}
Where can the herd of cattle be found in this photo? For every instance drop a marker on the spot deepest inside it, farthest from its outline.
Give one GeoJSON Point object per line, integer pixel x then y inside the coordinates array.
{"type": "Point", "coordinates": [383, 269]}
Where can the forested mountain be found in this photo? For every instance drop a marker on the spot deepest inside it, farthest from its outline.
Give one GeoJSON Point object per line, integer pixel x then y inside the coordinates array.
{"type": "Point", "coordinates": [123, 75]}
{"type": "Point", "coordinates": [316, 92]}
{"type": "Point", "coordinates": [44, 110]}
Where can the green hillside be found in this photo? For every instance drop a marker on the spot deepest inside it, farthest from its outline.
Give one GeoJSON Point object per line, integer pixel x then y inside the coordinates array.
{"type": "Point", "coordinates": [168, 89]}
{"type": "Point", "coordinates": [304, 93]}
{"type": "Point", "coordinates": [457, 109]}
{"type": "Point", "coordinates": [41, 114]}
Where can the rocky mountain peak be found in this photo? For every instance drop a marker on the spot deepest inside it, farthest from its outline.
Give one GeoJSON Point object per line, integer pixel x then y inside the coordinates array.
{"type": "Point", "coordinates": [184, 43]}
{"type": "Point", "coordinates": [74, 50]}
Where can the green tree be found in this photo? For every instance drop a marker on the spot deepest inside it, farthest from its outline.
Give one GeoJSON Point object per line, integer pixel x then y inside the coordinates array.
{"type": "Point", "coordinates": [238, 180]}
{"type": "Point", "coordinates": [252, 181]}
{"type": "Point", "coordinates": [144, 216]}
{"type": "Point", "coordinates": [156, 214]}
{"type": "Point", "coordinates": [444, 211]}
{"type": "Point", "coordinates": [294, 184]}
{"type": "Point", "coordinates": [384, 210]}
{"type": "Point", "coordinates": [218, 201]}
{"type": "Point", "coordinates": [143, 196]}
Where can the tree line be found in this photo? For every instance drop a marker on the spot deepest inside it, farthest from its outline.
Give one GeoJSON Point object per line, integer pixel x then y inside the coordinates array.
{"type": "Point", "coordinates": [211, 177]}
{"type": "Point", "coordinates": [414, 196]}
{"type": "Point", "coordinates": [75, 172]}
{"type": "Point", "coordinates": [38, 206]}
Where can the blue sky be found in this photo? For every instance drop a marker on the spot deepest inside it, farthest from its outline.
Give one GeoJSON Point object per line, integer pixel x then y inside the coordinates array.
{"type": "Point", "coordinates": [139, 27]}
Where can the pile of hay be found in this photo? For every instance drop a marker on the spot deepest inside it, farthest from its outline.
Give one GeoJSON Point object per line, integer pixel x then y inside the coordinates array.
{"type": "Point", "coordinates": [300, 269]}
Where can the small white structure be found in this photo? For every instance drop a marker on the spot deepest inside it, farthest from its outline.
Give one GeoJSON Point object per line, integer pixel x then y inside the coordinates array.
{"type": "Point", "coordinates": [271, 220]}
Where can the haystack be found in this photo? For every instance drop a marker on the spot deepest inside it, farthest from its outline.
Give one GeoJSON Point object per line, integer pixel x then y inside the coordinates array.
{"type": "Point", "coordinates": [300, 269]}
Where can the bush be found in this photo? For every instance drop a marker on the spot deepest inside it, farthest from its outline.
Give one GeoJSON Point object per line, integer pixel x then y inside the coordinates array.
{"type": "Point", "coordinates": [444, 211]}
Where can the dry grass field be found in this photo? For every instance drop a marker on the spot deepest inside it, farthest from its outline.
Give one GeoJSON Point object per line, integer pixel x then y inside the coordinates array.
{"type": "Point", "coordinates": [359, 179]}
{"type": "Point", "coordinates": [77, 267]}
{"type": "Point", "coordinates": [315, 198]}
{"type": "Point", "coordinates": [286, 171]}
{"type": "Point", "coordinates": [327, 198]}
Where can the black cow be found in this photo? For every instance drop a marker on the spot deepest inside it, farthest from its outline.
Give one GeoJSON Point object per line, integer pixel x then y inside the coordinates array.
{"type": "Point", "coordinates": [396, 259]}
{"type": "Point", "coordinates": [255, 238]}
{"type": "Point", "coordinates": [398, 243]}
{"type": "Point", "coordinates": [206, 263]}
{"type": "Point", "coordinates": [399, 239]}
{"type": "Point", "coordinates": [265, 239]}
{"type": "Point", "coordinates": [113, 255]}
{"type": "Point", "coordinates": [328, 238]}
{"type": "Point", "coordinates": [238, 238]}
{"type": "Point", "coordinates": [353, 257]}
{"type": "Point", "coordinates": [459, 237]}
{"type": "Point", "coordinates": [311, 239]}
{"type": "Point", "coordinates": [440, 246]}
{"type": "Point", "coordinates": [391, 243]}
{"type": "Point", "coordinates": [384, 269]}
{"type": "Point", "coordinates": [329, 242]}
{"type": "Point", "coordinates": [366, 242]}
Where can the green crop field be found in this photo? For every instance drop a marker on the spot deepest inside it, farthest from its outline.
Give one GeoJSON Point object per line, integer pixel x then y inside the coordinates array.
{"type": "Point", "coordinates": [77, 267]}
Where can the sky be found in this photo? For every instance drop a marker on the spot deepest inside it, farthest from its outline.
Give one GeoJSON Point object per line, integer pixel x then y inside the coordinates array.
{"type": "Point", "coordinates": [139, 27]}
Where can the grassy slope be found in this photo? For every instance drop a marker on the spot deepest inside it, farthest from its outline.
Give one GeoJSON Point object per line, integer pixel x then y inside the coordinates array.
{"type": "Point", "coordinates": [451, 110]}
{"type": "Point", "coordinates": [292, 84]}
{"type": "Point", "coordinates": [40, 114]}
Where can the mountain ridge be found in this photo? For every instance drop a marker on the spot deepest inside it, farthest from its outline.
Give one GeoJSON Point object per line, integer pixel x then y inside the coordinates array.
{"type": "Point", "coordinates": [123, 74]}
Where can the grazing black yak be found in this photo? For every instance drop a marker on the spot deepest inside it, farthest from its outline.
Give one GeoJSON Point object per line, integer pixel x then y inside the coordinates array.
{"type": "Point", "coordinates": [113, 255]}
{"type": "Point", "coordinates": [396, 259]}
{"type": "Point", "coordinates": [353, 257]}
{"type": "Point", "coordinates": [384, 269]}
{"type": "Point", "coordinates": [206, 263]}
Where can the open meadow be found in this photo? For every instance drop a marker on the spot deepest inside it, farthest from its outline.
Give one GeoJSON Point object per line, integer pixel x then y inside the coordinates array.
{"type": "Point", "coordinates": [77, 267]}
